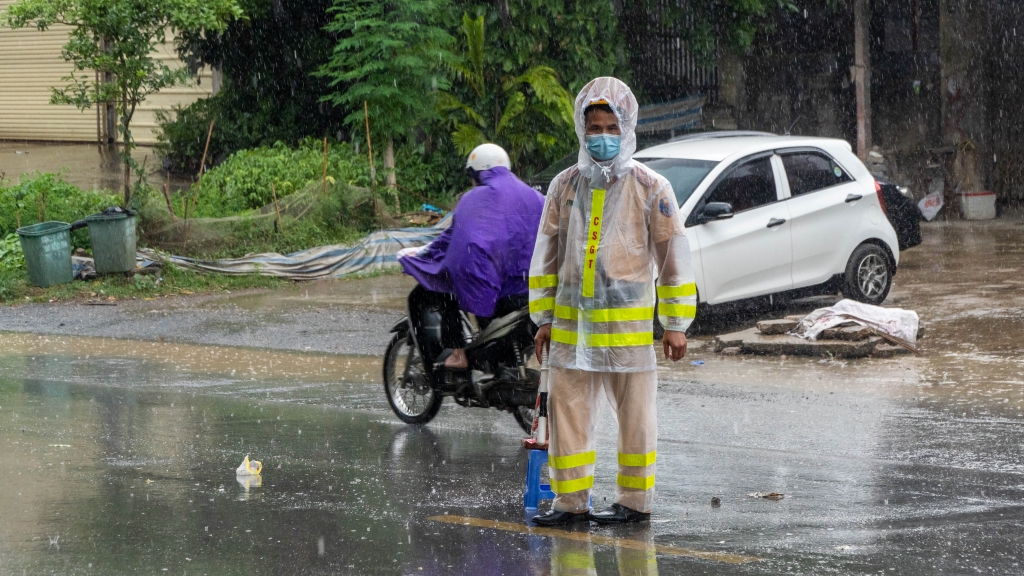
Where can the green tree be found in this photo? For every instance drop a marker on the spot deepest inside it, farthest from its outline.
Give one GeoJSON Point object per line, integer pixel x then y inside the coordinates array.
{"type": "Point", "coordinates": [268, 92]}
{"type": "Point", "coordinates": [579, 40]}
{"type": "Point", "coordinates": [118, 39]}
{"type": "Point", "coordinates": [525, 112]}
{"type": "Point", "coordinates": [390, 55]}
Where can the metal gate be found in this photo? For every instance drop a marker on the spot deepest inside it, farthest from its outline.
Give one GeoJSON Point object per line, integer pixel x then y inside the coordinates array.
{"type": "Point", "coordinates": [663, 66]}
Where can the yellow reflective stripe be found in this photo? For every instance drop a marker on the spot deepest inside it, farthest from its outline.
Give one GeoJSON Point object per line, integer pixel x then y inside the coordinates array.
{"type": "Point", "coordinates": [605, 314]}
{"type": "Point", "coordinates": [636, 482]}
{"type": "Point", "coordinates": [566, 312]}
{"type": "Point", "coordinates": [572, 460]}
{"type": "Point", "coordinates": [563, 336]}
{"type": "Point", "coordinates": [575, 561]}
{"type": "Point", "coordinates": [567, 486]}
{"type": "Point", "coordinates": [621, 314]}
{"type": "Point", "coordinates": [546, 281]}
{"type": "Point", "coordinates": [593, 240]}
{"type": "Point", "coordinates": [603, 340]}
{"type": "Point", "coordinates": [625, 339]}
{"type": "Point", "coordinates": [638, 459]}
{"type": "Point", "coordinates": [677, 291]}
{"type": "Point", "coordinates": [542, 305]}
{"type": "Point", "coordinates": [678, 310]}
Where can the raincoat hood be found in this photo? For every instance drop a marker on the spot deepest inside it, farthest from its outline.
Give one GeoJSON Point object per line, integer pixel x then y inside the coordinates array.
{"type": "Point", "coordinates": [485, 176]}
{"type": "Point", "coordinates": [621, 100]}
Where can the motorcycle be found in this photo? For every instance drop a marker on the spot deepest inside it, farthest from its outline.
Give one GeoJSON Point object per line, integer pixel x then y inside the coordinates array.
{"type": "Point", "coordinates": [416, 380]}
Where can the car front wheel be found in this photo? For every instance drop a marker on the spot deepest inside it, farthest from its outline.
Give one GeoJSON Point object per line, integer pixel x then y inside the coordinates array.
{"type": "Point", "coordinates": [868, 275]}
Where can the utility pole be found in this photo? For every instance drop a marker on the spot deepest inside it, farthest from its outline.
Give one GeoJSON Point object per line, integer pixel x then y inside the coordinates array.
{"type": "Point", "coordinates": [861, 72]}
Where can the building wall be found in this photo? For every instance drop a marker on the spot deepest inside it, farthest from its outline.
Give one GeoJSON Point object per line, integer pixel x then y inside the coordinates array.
{"type": "Point", "coordinates": [31, 64]}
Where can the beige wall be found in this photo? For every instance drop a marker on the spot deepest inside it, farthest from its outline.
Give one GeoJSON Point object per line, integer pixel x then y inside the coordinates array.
{"type": "Point", "coordinates": [30, 64]}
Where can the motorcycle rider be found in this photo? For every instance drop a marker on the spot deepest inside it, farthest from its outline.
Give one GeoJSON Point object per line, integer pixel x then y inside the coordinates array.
{"type": "Point", "coordinates": [481, 262]}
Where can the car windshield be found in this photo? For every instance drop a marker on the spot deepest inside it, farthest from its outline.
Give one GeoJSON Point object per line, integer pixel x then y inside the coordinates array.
{"type": "Point", "coordinates": [683, 174]}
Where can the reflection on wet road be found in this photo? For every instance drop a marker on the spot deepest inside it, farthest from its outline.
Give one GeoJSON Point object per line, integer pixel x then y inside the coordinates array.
{"type": "Point", "coordinates": [119, 457]}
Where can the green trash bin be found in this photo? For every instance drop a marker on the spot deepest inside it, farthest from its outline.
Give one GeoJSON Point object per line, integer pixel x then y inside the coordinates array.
{"type": "Point", "coordinates": [47, 248]}
{"type": "Point", "coordinates": [113, 242]}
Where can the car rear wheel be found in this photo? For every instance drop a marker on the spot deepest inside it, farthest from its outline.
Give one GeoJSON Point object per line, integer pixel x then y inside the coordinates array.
{"type": "Point", "coordinates": [868, 275]}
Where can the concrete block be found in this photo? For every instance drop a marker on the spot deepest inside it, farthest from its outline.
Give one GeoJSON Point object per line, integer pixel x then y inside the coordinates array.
{"type": "Point", "coordinates": [724, 341]}
{"type": "Point", "coordinates": [776, 326]}
{"type": "Point", "coordinates": [732, 351]}
{"type": "Point", "coordinates": [853, 333]}
{"type": "Point", "coordinates": [752, 341]}
{"type": "Point", "coordinates": [887, 350]}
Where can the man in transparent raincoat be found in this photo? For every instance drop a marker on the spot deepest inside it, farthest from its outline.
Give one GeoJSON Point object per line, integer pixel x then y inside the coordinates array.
{"type": "Point", "coordinates": [611, 240]}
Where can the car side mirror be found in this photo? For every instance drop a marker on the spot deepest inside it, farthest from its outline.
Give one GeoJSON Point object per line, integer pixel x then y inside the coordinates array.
{"type": "Point", "coordinates": [715, 211]}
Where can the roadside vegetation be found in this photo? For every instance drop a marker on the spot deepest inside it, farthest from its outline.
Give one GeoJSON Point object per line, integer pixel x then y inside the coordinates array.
{"type": "Point", "coordinates": [170, 281]}
{"type": "Point", "coordinates": [44, 197]}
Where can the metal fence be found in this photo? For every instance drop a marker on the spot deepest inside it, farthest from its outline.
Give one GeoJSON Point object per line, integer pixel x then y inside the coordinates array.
{"type": "Point", "coordinates": [663, 67]}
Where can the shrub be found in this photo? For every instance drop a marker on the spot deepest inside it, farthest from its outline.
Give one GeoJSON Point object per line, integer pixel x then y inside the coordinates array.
{"type": "Point", "coordinates": [46, 196]}
{"type": "Point", "coordinates": [243, 181]}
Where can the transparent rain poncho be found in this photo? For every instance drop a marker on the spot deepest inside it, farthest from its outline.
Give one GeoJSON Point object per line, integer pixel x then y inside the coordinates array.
{"type": "Point", "coordinates": [608, 231]}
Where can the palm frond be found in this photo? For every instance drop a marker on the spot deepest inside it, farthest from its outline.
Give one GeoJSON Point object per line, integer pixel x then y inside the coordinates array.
{"type": "Point", "coordinates": [473, 28]}
{"type": "Point", "coordinates": [447, 103]}
{"type": "Point", "coordinates": [516, 105]}
{"type": "Point", "coordinates": [466, 137]}
{"type": "Point", "coordinates": [545, 85]}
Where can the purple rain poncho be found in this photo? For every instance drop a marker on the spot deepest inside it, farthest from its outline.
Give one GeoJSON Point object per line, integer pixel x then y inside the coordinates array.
{"type": "Point", "coordinates": [485, 254]}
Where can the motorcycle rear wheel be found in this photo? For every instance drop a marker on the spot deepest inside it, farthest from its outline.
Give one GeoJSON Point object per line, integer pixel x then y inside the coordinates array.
{"type": "Point", "coordinates": [409, 392]}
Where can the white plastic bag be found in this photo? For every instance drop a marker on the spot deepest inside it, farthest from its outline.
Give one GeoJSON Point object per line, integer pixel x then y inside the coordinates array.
{"type": "Point", "coordinates": [895, 324]}
{"type": "Point", "coordinates": [930, 205]}
{"type": "Point", "coordinates": [249, 467]}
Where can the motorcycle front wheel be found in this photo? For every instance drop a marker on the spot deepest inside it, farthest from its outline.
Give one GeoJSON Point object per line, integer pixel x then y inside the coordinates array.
{"type": "Point", "coordinates": [406, 383]}
{"type": "Point", "coordinates": [524, 416]}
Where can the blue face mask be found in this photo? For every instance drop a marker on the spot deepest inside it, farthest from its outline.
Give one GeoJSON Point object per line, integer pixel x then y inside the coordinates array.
{"type": "Point", "coordinates": [603, 146]}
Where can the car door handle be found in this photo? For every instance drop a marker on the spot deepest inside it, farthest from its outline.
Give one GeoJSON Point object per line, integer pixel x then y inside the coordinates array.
{"type": "Point", "coordinates": [776, 222]}
{"type": "Point", "coordinates": [853, 198]}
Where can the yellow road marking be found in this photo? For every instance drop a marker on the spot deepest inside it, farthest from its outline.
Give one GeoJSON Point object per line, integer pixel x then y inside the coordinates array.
{"type": "Point", "coordinates": [594, 539]}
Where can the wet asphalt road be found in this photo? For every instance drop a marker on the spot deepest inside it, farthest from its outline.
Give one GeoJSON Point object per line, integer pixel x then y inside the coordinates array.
{"type": "Point", "coordinates": [119, 454]}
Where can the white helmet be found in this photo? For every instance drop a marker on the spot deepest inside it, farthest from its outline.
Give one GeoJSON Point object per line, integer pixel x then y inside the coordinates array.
{"type": "Point", "coordinates": [487, 156]}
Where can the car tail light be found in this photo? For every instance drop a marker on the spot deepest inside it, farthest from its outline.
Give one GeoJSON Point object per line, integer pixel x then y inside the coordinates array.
{"type": "Point", "coordinates": [881, 200]}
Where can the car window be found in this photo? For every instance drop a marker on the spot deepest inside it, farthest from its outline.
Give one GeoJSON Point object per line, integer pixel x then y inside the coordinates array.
{"type": "Point", "coordinates": [746, 186]}
{"type": "Point", "coordinates": [683, 174]}
{"type": "Point", "coordinates": [811, 171]}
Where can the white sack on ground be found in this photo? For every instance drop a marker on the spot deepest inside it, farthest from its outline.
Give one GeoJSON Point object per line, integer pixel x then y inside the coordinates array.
{"type": "Point", "coordinates": [898, 324]}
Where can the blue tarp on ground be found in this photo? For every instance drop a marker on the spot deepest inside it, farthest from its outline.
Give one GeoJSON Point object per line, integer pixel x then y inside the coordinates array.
{"type": "Point", "coordinates": [374, 252]}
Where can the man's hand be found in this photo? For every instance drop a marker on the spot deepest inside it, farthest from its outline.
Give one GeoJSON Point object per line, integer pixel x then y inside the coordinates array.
{"type": "Point", "coordinates": [675, 344]}
{"type": "Point", "coordinates": [542, 341]}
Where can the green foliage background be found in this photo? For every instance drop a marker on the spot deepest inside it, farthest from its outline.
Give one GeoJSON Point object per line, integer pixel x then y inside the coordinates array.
{"type": "Point", "coordinates": [243, 181]}
{"type": "Point", "coordinates": [275, 97]}
{"type": "Point", "coordinates": [269, 92]}
{"type": "Point", "coordinates": [64, 202]}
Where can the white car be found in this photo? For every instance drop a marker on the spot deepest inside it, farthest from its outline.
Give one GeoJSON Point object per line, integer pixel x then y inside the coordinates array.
{"type": "Point", "coordinates": [769, 214]}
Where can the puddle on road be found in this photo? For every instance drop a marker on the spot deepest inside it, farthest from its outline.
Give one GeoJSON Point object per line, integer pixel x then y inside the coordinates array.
{"type": "Point", "coordinates": [109, 481]}
{"type": "Point", "coordinates": [218, 361]}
